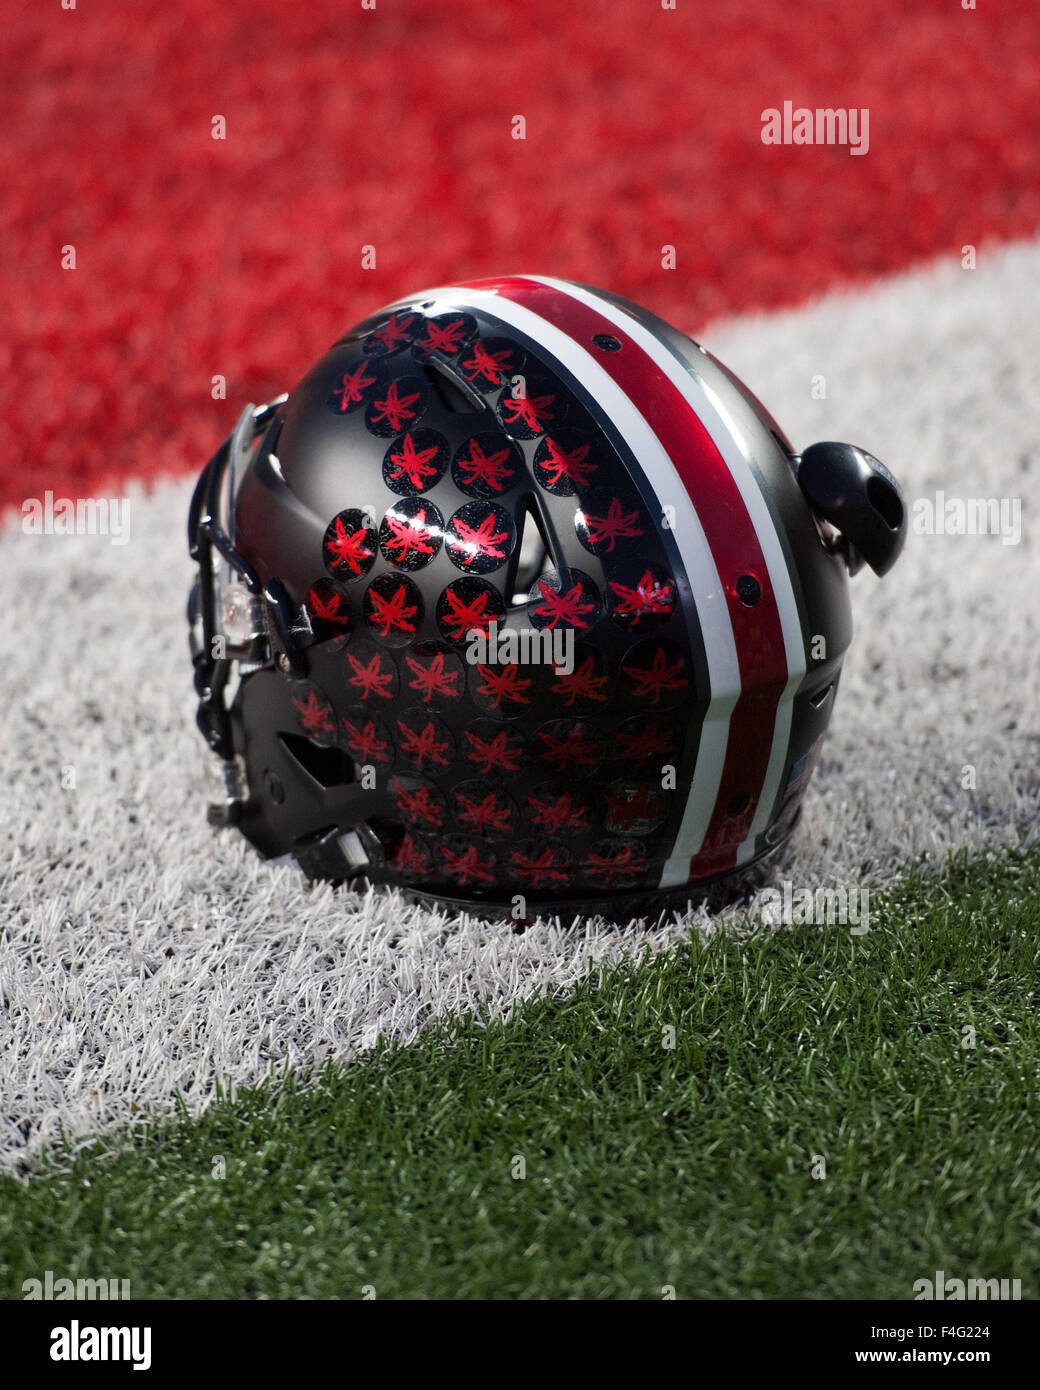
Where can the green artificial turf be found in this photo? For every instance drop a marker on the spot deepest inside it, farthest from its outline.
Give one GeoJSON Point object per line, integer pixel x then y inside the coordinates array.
{"type": "Point", "coordinates": [645, 1165]}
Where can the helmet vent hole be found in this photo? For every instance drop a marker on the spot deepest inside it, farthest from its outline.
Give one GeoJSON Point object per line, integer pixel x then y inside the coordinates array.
{"type": "Point", "coordinates": [820, 698]}
{"type": "Point", "coordinates": [454, 395]}
{"type": "Point", "coordinates": [532, 551]}
{"type": "Point", "coordinates": [606, 342]}
{"type": "Point", "coordinates": [883, 497]}
{"type": "Point", "coordinates": [329, 767]}
{"type": "Point", "coordinates": [738, 804]}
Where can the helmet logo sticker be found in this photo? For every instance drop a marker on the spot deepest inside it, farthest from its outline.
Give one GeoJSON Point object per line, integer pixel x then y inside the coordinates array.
{"type": "Point", "coordinates": [488, 362]}
{"type": "Point", "coordinates": [585, 683]}
{"type": "Point", "coordinates": [393, 606]}
{"type": "Point", "coordinates": [417, 801]}
{"type": "Point", "coordinates": [506, 684]}
{"type": "Point", "coordinates": [494, 747]}
{"type": "Point", "coordinates": [355, 388]}
{"type": "Point", "coordinates": [329, 609]}
{"type": "Point", "coordinates": [527, 407]}
{"type": "Point", "coordinates": [562, 462]}
{"type": "Point", "coordinates": [539, 865]}
{"type": "Point", "coordinates": [371, 673]}
{"type": "Point", "coordinates": [398, 330]}
{"type": "Point", "coordinates": [639, 740]}
{"type": "Point", "coordinates": [411, 533]}
{"type": "Point", "coordinates": [641, 596]}
{"type": "Point", "coordinates": [446, 334]}
{"type": "Point", "coordinates": [569, 744]}
{"type": "Point", "coordinates": [479, 537]}
{"type": "Point", "coordinates": [486, 465]}
{"type": "Point", "coordinates": [462, 862]}
{"type": "Point", "coordinates": [315, 714]}
{"type": "Point", "coordinates": [657, 672]}
{"type": "Point", "coordinates": [350, 545]}
{"type": "Point", "coordinates": [482, 809]}
{"type": "Point", "coordinates": [437, 674]}
{"type": "Point", "coordinates": [609, 862]}
{"type": "Point", "coordinates": [367, 740]}
{"type": "Point", "coordinates": [411, 857]}
{"type": "Point", "coordinates": [468, 605]}
{"type": "Point", "coordinates": [564, 597]}
{"type": "Point", "coordinates": [553, 811]}
{"type": "Point", "coordinates": [402, 404]}
{"type": "Point", "coordinates": [425, 740]}
{"type": "Point", "coordinates": [607, 522]}
{"type": "Point", "coordinates": [415, 461]}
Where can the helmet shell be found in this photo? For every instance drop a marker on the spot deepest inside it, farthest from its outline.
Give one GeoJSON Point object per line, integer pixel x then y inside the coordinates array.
{"type": "Point", "coordinates": [650, 711]}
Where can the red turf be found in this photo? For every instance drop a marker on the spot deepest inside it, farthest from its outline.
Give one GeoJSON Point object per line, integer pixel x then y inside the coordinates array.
{"type": "Point", "coordinates": [391, 127]}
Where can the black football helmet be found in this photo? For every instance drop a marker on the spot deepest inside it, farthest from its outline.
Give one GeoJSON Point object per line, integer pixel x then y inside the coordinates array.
{"type": "Point", "coordinates": [522, 602]}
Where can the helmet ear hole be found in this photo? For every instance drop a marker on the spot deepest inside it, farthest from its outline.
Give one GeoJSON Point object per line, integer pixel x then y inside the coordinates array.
{"type": "Point", "coordinates": [533, 552]}
{"type": "Point", "coordinates": [329, 767]}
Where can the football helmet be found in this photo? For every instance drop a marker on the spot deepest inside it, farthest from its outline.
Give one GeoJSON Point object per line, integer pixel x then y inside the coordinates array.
{"type": "Point", "coordinates": [522, 602]}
